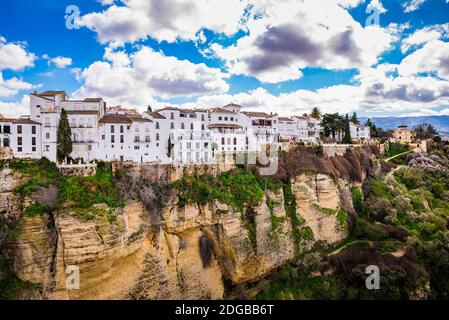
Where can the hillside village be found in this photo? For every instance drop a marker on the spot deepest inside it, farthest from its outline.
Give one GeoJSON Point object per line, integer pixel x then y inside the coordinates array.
{"type": "Point", "coordinates": [167, 135]}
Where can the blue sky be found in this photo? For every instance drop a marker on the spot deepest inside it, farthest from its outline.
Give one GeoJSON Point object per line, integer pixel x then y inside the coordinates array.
{"type": "Point", "coordinates": [280, 56]}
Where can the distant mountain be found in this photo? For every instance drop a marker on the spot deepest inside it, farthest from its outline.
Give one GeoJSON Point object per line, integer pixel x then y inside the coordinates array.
{"type": "Point", "coordinates": [440, 123]}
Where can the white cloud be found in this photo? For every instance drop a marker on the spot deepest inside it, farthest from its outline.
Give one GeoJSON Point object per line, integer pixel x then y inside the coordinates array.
{"type": "Point", "coordinates": [13, 56]}
{"type": "Point", "coordinates": [136, 78]}
{"type": "Point", "coordinates": [412, 5]}
{"type": "Point", "coordinates": [378, 89]}
{"type": "Point", "coordinates": [11, 87]}
{"type": "Point", "coordinates": [283, 39]}
{"type": "Point", "coordinates": [59, 61]}
{"type": "Point", "coordinates": [15, 109]}
{"type": "Point", "coordinates": [167, 20]}
{"type": "Point", "coordinates": [433, 57]}
{"type": "Point", "coordinates": [422, 36]}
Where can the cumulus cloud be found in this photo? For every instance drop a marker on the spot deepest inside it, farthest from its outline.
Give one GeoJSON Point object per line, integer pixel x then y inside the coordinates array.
{"type": "Point", "coordinates": [135, 78]}
{"type": "Point", "coordinates": [167, 20]}
{"type": "Point", "coordinates": [13, 56]}
{"type": "Point", "coordinates": [15, 109]}
{"type": "Point", "coordinates": [377, 89]}
{"type": "Point", "coordinates": [432, 58]}
{"type": "Point", "coordinates": [59, 61]}
{"type": "Point", "coordinates": [11, 87]}
{"type": "Point", "coordinates": [283, 39]}
{"type": "Point", "coordinates": [424, 35]}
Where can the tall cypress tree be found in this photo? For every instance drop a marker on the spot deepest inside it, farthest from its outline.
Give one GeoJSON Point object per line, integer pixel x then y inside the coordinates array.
{"type": "Point", "coordinates": [347, 137]}
{"type": "Point", "coordinates": [64, 137]}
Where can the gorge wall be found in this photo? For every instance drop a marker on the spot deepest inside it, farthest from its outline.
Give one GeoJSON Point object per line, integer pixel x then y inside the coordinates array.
{"type": "Point", "coordinates": [188, 252]}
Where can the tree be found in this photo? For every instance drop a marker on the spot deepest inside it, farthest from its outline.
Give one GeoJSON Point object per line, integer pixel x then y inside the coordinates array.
{"type": "Point", "coordinates": [347, 136]}
{"type": "Point", "coordinates": [354, 118]}
{"type": "Point", "coordinates": [374, 132]}
{"type": "Point", "coordinates": [425, 131]}
{"type": "Point", "coordinates": [169, 147]}
{"type": "Point", "coordinates": [331, 124]}
{"type": "Point", "coordinates": [64, 137]}
{"type": "Point", "coordinates": [315, 113]}
{"type": "Point", "coordinates": [149, 109]}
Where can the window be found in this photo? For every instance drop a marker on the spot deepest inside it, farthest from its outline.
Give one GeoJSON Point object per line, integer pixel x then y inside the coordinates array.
{"type": "Point", "coordinates": [121, 129]}
{"type": "Point", "coordinates": [189, 145]}
{"type": "Point", "coordinates": [197, 145]}
{"type": "Point", "coordinates": [226, 118]}
{"type": "Point", "coordinates": [112, 138]}
{"type": "Point", "coordinates": [157, 125]}
{"type": "Point", "coordinates": [33, 149]}
{"type": "Point", "coordinates": [220, 118]}
{"type": "Point", "coordinates": [19, 149]}
{"type": "Point", "coordinates": [232, 118]}
{"type": "Point", "coordinates": [19, 129]}
{"type": "Point", "coordinates": [182, 126]}
{"type": "Point", "coordinates": [19, 141]}
{"type": "Point", "coordinates": [147, 139]}
{"type": "Point", "coordinates": [33, 141]}
{"type": "Point", "coordinates": [235, 141]}
{"type": "Point", "coordinates": [136, 147]}
{"type": "Point", "coordinates": [172, 115]}
{"type": "Point", "coordinates": [103, 137]}
{"type": "Point", "coordinates": [33, 129]}
{"type": "Point", "coordinates": [222, 140]}
{"type": "Point", "coordinates": [122, 138]}
{"type": "Point", "coordinates": [191, 126]}
{"type": "Point", "coordinates": [157, 136]}
{"type": "Point", "coordinates": [47, 148]}
{"type": "Point", "coordinates": [47, 135]}
{"type": "Point", "coordinates": [6, 142]}
{"type": "Point", "coordinates": [7, 129]}
{"type": "Point", "coordinates": [136, 138]}
{"type": "Point", "coordinates": [112, 129]}
{"type": "Point", "coordinates": [1, 129]}
{"type": "Point", "coordinates": [172, 125]}
{"type": "Point", "coordinates": [202, 117]}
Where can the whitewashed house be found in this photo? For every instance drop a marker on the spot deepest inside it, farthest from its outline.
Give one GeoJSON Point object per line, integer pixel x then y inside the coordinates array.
{"type": "Point", "coordinates": [261, 129]}
{"type": "Point", "coordinates": [359, 132]}
{"type": "Point", "coordinates": [83, 116]}
{"type": "Point", "coordinates": [22, 136]}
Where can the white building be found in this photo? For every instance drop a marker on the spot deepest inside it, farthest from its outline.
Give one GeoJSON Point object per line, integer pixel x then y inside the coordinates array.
{"type": "Point", "coordinates": [22, 136]}
{"type": "Point", "coordinates": [169, 135]}
{"type": "Point", "coordinates": [360, 133]}
{"type": "Point", "coordinates": [83, 116]}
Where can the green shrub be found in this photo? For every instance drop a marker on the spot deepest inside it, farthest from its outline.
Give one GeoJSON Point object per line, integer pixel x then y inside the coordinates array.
{"type": "Point", "coordinates": [83, 192]}
{"type": "Point", "coordinates": [35, 209]}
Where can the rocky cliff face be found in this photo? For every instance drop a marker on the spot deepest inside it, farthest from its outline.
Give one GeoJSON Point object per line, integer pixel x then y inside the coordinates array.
{"type": "Point", "coordinates": [191, 254]}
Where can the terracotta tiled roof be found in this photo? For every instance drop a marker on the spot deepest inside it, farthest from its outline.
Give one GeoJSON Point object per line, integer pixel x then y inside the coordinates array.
{"type": "Point", "coordinates": [284, 119]}
{"type": "Point", "coordinates": [25, 121]}
{"type": "Point", "coordinates": [138, 118]}
{"type": "Point", "coordinates": [258, 114]}
{"type": "Point", "coordinates": [115, 118]}
{"type": "Point", "coordinates": [221, 110]}
{"type": "Point", "coordinates": [232, 105]}
{"type": "Point", "coordinates": [51, 93]}
{"type": "Point", "coordinates": [156, 115]}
